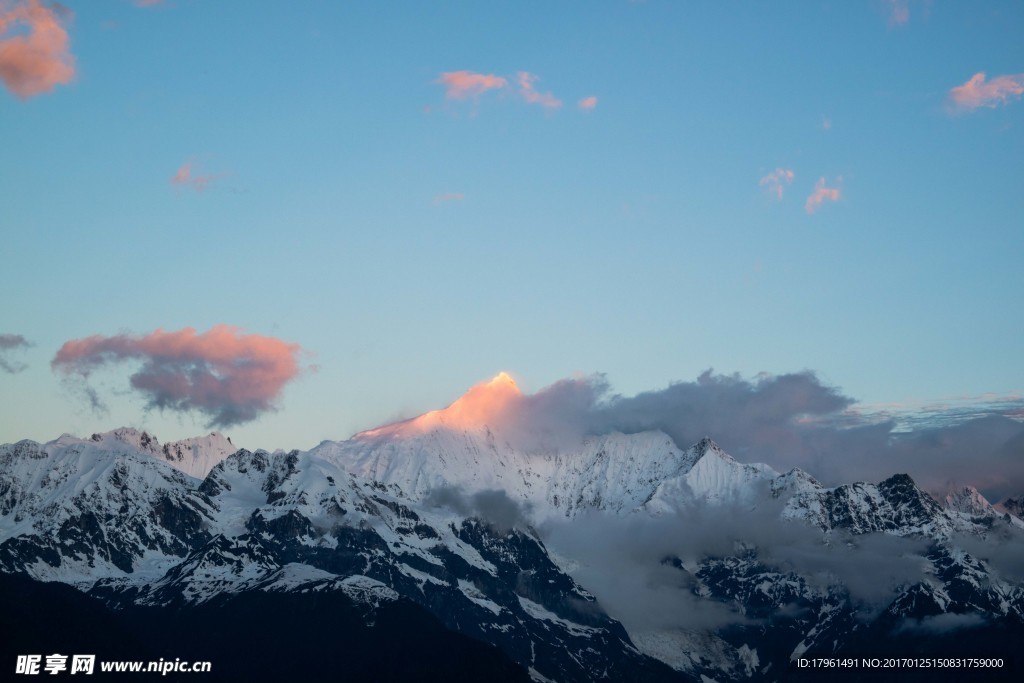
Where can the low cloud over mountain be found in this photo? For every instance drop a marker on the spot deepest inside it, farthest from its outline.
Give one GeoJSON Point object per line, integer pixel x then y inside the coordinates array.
{"type": "Point", "coordinates": [789, 420]}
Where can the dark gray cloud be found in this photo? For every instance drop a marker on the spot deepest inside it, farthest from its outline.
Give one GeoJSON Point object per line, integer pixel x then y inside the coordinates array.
{"type": "Point", "coordinates": [491, 505]}
{"type": "Point", "coordinates": [792, 420]}
{"type": "Point", "coordinates": [761, 411]}
{"type": "Point", "coordinates": [623, 562]}
{"type": "Point", "coordinates": [1003, 553]}
{"type": "Point", "coordinates": [12, 343]}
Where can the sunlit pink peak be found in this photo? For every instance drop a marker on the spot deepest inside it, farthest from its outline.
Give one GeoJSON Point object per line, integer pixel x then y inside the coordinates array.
{"type": "Point", "coordinates": [485, 404]}
{"type": "Point", "coordinates": [503, 380]}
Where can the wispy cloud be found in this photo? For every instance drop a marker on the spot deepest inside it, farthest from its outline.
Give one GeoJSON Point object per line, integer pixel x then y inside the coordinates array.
{"type": "Point", "coordinates": [148, 3]}
{"type": "Point", "coordinates": [898, 12]}
{"type": "Point", "coordinates": [908, 416]}
{"type": "Point", "coordinates": [462, 84]}
{"type": "Point", "coordinates": [449, 197]}
{"type": "Point", "coordinates": [40, 60]}
{"type": "Point", "coordinates": [776, 181]}
{"type": "Point", "coordinates": [588, 103]}
{"type": "Point", "coordinates": [186, 177]}
{"type": "Point", "coordinates": [821, 194]}
{"type": "Point", "coordinates": [532, 95]}
{"type": "Point", "coordinates": [223, 374]}
{"type": "Point", "coordinates": [9, 343]}
{"type": "Point", "coordinates": [978, 92]}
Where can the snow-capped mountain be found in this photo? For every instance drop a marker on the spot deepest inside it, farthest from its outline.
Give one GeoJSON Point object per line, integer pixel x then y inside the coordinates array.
{"type": "Point", "coordinates": [613, 472]}
{"type": "Point", "coordinates": [967, 501]}
{"type": "Point", "coordinates": [74, 510]}
{"type": "Point", "coordinates": [198, 455]}
{"type": "Point", "coordinates": [195, 456]}
{"type": "Point", "coordinates": [1013, 506]}
{"type": "Point", "coordinates": [449, 518]}
{"type": "Point", "coordinates": [128, 528]}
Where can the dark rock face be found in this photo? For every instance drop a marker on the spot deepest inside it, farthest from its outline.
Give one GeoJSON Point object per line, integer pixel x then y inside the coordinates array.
{"type": "Point", "coordinates": [250, 637]}
{"type": "Point", "coordinates": [893, 505]}
{"type": "Point", "coordinates": [1015, 506]}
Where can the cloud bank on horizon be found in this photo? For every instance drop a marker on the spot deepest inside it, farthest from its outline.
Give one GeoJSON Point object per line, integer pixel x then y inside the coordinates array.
{"type": "Point", "coordinates": [786, 421]}
{"type": "Point", "coordinates": [229, 377]}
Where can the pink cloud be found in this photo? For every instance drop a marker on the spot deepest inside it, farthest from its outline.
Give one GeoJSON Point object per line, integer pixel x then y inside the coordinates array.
{"type": "Point", "coordinates": [977, 92]}
{"type": "Point", "coordinates": [588, 103]}
{"type": "Point", "coordinates": [462, 84]}
{"type": "Point", "coordinates": [820, 195]}
{"type": "Point", "coordinates": [183, 176]}
{"type": "Point", "coordinates": [228, 376]}
{"type": "Point", "coordinates": [777, 180]}
{"type": "Point", "coordinates": [38, 61]}
{"type": "Point", "coordinates": [149, 3]}
{"type": "Point", "coordinates": [449, 197]}
{"type": "Point", "coordinates": [899, 12]}
{"type": "Point", "coordinates": [530, 94]}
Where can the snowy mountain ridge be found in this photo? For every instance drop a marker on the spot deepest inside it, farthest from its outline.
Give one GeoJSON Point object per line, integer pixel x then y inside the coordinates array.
{"type": "Point", "coordinates": [441, 512]}
{"type": "Point", "coordinates": [617, 473]}
{"type": "Point", "coordinates": [114, 517]}
{"type": "Point", "coordinates": [128, 528]}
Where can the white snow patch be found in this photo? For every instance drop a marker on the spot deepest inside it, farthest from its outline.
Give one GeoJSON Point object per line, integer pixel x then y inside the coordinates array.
{"type": "Point", "coordinates": [367, 590]}
{"type": "Point", "coordinates": [474, 594]}
{"type": "Point", "coordinates": [540, 612]}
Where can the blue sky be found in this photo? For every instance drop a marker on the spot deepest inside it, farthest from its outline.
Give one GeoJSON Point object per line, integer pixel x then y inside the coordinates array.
{"type": "Point", "coordinates": [414, 244]}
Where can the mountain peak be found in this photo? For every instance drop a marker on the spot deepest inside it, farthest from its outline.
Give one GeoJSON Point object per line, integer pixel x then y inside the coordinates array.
{"type": "Point", "coordinates": [708, 445]}
{"type": "Point", "coordinates": [1015, 506]}
{"type": "Point", "coordinates": [967, 500]}
{"type": "Point", "coordinates": [198, 455]}
{"type": "Point", "coordinates": [141, 440]}
{"type": "Point", "coordinates": [484, 404]}
{"type": "Point", "coordinates": [503, 379]}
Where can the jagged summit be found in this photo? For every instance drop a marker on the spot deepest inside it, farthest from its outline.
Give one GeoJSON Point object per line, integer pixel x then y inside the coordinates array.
{"type": "Point", "coordinates": [198, 455]}
{"type": "Point", "coordinates": [484, 404]}
{"type": "Point", "coordinates": [194, 456]}
{"type": "Point", "coordinates": [133, 437]}
{"type": "Point", "coordinates": [706, 444]}
{"type": "Point", "coordinates": [1015, 506]}
{"type": "Point", "coordinates": [967, 500]}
